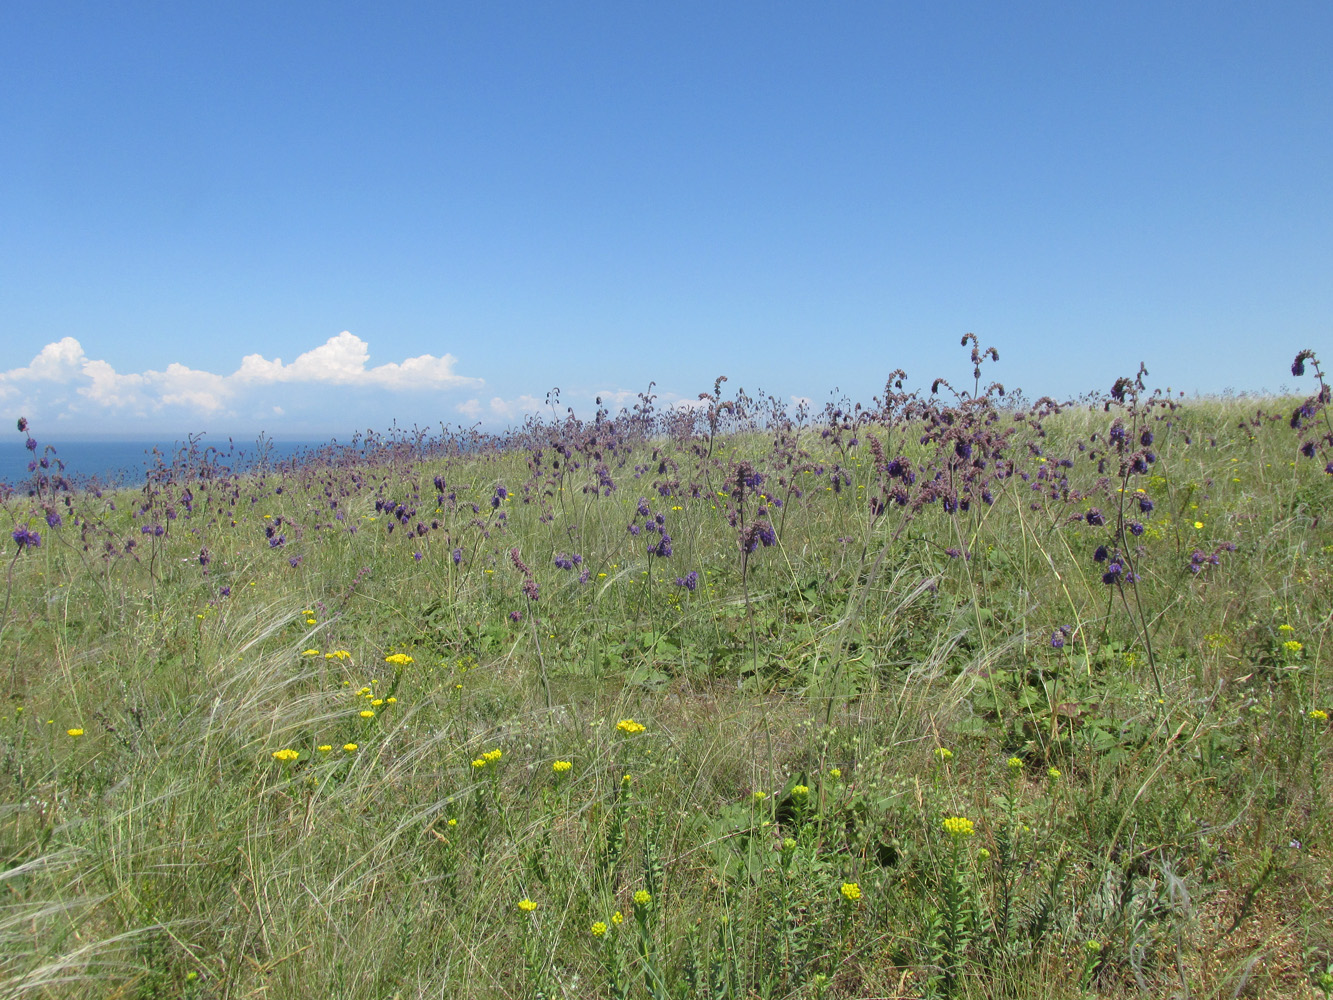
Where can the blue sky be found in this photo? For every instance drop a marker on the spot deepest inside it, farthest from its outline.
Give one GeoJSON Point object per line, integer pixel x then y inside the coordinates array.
{"type": "Point", "coordinates": [258, 216]}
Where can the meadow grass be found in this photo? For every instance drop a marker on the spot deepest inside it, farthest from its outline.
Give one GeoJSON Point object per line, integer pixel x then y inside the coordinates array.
{"type": "Point", "coordinates": [945, 710]}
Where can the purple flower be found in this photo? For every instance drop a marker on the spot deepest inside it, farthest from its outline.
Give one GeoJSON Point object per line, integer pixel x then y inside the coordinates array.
{"type": "Point", "coordinates": [516, 616]}
{"type": "Point", "coordinates": [1145, 438]}
{"type": "Point", "coordinates": [1145, 505]}
{"type": "Point", "coordinates": [643, 508]}
{"type": "Point", "coordinates": [663, 548]}
{"type": "Point", "coordinates": [53, 519]}
{"type": "Point", "coordinates": [294, 561]}
{"type": "Point", "coordinates": [690, 581]}
{"type": "Point", "coordinates": [530, 589]}
{"type": "Point", "coordinates": [31, 444]}
{"type": "Point", "coordinates": [23, 424]}
{"type": "Point", "coordinates": [204, 557]}
{"type": "Point", "coordinates": [1057, 639]}
{"type": "Point", "coordinates": [458, 556]}
{"type": "Point", "coordinates": [416, 556]}
{"type": "Point", "coordinates": [1094, 517]}
{"type": "Point", "coordinates": [1100, 554]}
{"type": "Point", "coordinates": [562, 561]}
{"type": "Point", "coordinates": [963, 449]}
{"type": "Point", "coordinates": [225, 592]}
{"type": "Point", "coordinates": [1307, 450]}
{"type": "Point", "coordinates": [1135, 528]}
{"type": "Point", "coordinates": [26, 538]}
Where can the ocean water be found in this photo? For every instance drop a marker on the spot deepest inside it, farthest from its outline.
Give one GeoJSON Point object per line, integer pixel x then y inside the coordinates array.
{"type": "Point", "coordinates": [126, 463]}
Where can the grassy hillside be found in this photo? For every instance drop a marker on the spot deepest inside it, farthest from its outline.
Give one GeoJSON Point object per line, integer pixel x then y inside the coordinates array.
{"type": "Point", "coordinates": [953, 695]}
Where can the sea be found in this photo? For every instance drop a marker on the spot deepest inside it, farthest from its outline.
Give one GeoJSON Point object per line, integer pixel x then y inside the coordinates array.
{"type": "Point", "coordinates": [126, 463]}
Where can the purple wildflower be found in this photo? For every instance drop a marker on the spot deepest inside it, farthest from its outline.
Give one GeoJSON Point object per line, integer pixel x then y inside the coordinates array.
{"type": "Point", "coordinates": [458, 556]}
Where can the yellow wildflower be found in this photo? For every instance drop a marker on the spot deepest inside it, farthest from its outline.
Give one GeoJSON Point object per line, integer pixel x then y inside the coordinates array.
{"type": "Point", "coordinates": [1053, 773]}
{"type": "Point", "coordinates": [453, 822]}
{"type": "Point", "coordinates": [492, 755]}
{"type": "Point", "coordinates": [800, 791]}
{"type": "Point", "coordinates": [958, 827]}
{"type": "Point", "coordinates": [759, 796]}
{"type": "Point", "coordinates": [835, 772]}
{"type": "Point", "coordinates": [1319, 715]}
{"type": "Point", "coordinates": [598, 929]}
{"type": "Point", "coordinates": [350, 747]}
{"type": "Point", "coordinates": [478, 763]}
{"type": "Point", "coordinates": [367, 714]}
{"type": "Point", "coordinates": [74, 732]}
{"type": "Point", "coordinates": [526, 905]}
{"type": "Point", "coordinates": [399, 659]}
{"type": "Point", "coordinates": [630, 726]}
{"type": "Point", "coordinates": [561, 766]}
{"type": "Point", "coordinates": [310, 652]}
{"type": "Point", "coordinates": [310, 621]}
{"type": "Point", "coordinates": [1292, 646]}
{"type": "Point", "coordinates": [391, 701]}
{"type": "Point", "coordinates": [377, 702]}
{"type": "Point", "coordinates": [325, 748]}
{"type": "Point", "coordinates": [944, 754]}
{"type": "Point", "coordinates": [282, 754]}
{"type": "Point", "coordinates": [851, 891]}
{"type": "Point", "coordinates": [1286, 628]}
{"type": "Point", "coordinates": [617, 918]}
{"type": "Point", "coordinates": [1015, 765]}
{"type": "Point", "coordinates": [642, 898]}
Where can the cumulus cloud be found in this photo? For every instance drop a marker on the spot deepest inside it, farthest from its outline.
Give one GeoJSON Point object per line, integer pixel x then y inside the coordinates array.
{"type": "Point", "coordinates": [500, 409]}
{"type": "Point", "coordinates": [342, 360]}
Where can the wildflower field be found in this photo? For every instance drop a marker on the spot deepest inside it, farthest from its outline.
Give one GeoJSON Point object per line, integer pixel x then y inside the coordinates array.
{"type": "Point", "coordinates": [948, 694]}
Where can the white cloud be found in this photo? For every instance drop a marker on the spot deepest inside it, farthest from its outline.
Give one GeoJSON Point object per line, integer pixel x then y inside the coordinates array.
{"type": "Point", "coordinates": [99, 388]}
{"type": "Point", "coordinates": [501, 409]}
{"type": "Point", "coordinates": [341, 360]}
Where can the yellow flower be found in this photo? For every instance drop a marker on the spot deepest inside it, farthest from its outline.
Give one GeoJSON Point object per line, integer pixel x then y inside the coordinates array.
{"type": "Point", "coordinates": [310, 652]}
{"type": "Point", "coordinates": [338, 654]}
{"type": "Point", "coordinates": [74, 732]}
{"type": "Point", "coordinates": [286, 754]}
{"type": "Point", "coordinates": [642, 898]}
{"type": "Point", "coordinates": [478, 763]}
{"type": "Point", "coordinates": [598, 929]}
{"type": "Point", "coordinates": [1015, 765]}
{"type": "Point", "coordinates": [367, 714]}
{"type": "Point", "coordinates": [758, 796]}
{"type": "Point", "coordinates": [1286, 628]}
{"type": "Point", "coordinates": [399, 659]}
{"type": "Point", "coordinates": [526, 905]}
{"type": "Point", "coordinates": [1318, 714]}
{"type": "Point", "coordinates": [561, 766]}
{"type": "Point", "coordinates": [453, 822]}
{"type": "Point", "coordinates": [800, 791]}
{"type": "Point", "coordinates": [617, 918]}
{"type": "Point", "coordinates": [958, 827]}
{"type": "Point", "coordinates": [851, 891]}
{"type": "Point", "coordinates": [1292, 646]}
{"type": "Point", "coordinates": [630, 726]}
{"type": "Point", "coordinates": [310, 621]}
{"type": "Point", "coordinates": [350, 747]}
{"type": "Point", "coordinates": [377, 702]}
{"type": "Point", "coordinates": [325, 748]}
{"type": "Point", "coordinates": [363, 691]}
{"type": "Point", "coordinates": [1198, 525]}
{"type": "Point", "coordinates": [492, 755]}
{"type": "Point", "coordinates": [835, 772]}
{"type": "Point", "coordinates": [391, 701]}
{"type": "Point", "coordinates": [1053, 773]}
{"type": "Point", "coordinates": [944, 754]}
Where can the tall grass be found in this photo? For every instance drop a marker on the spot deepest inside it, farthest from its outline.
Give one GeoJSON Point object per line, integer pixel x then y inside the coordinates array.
{"type": "Point", "coordinates": [906, 733]}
